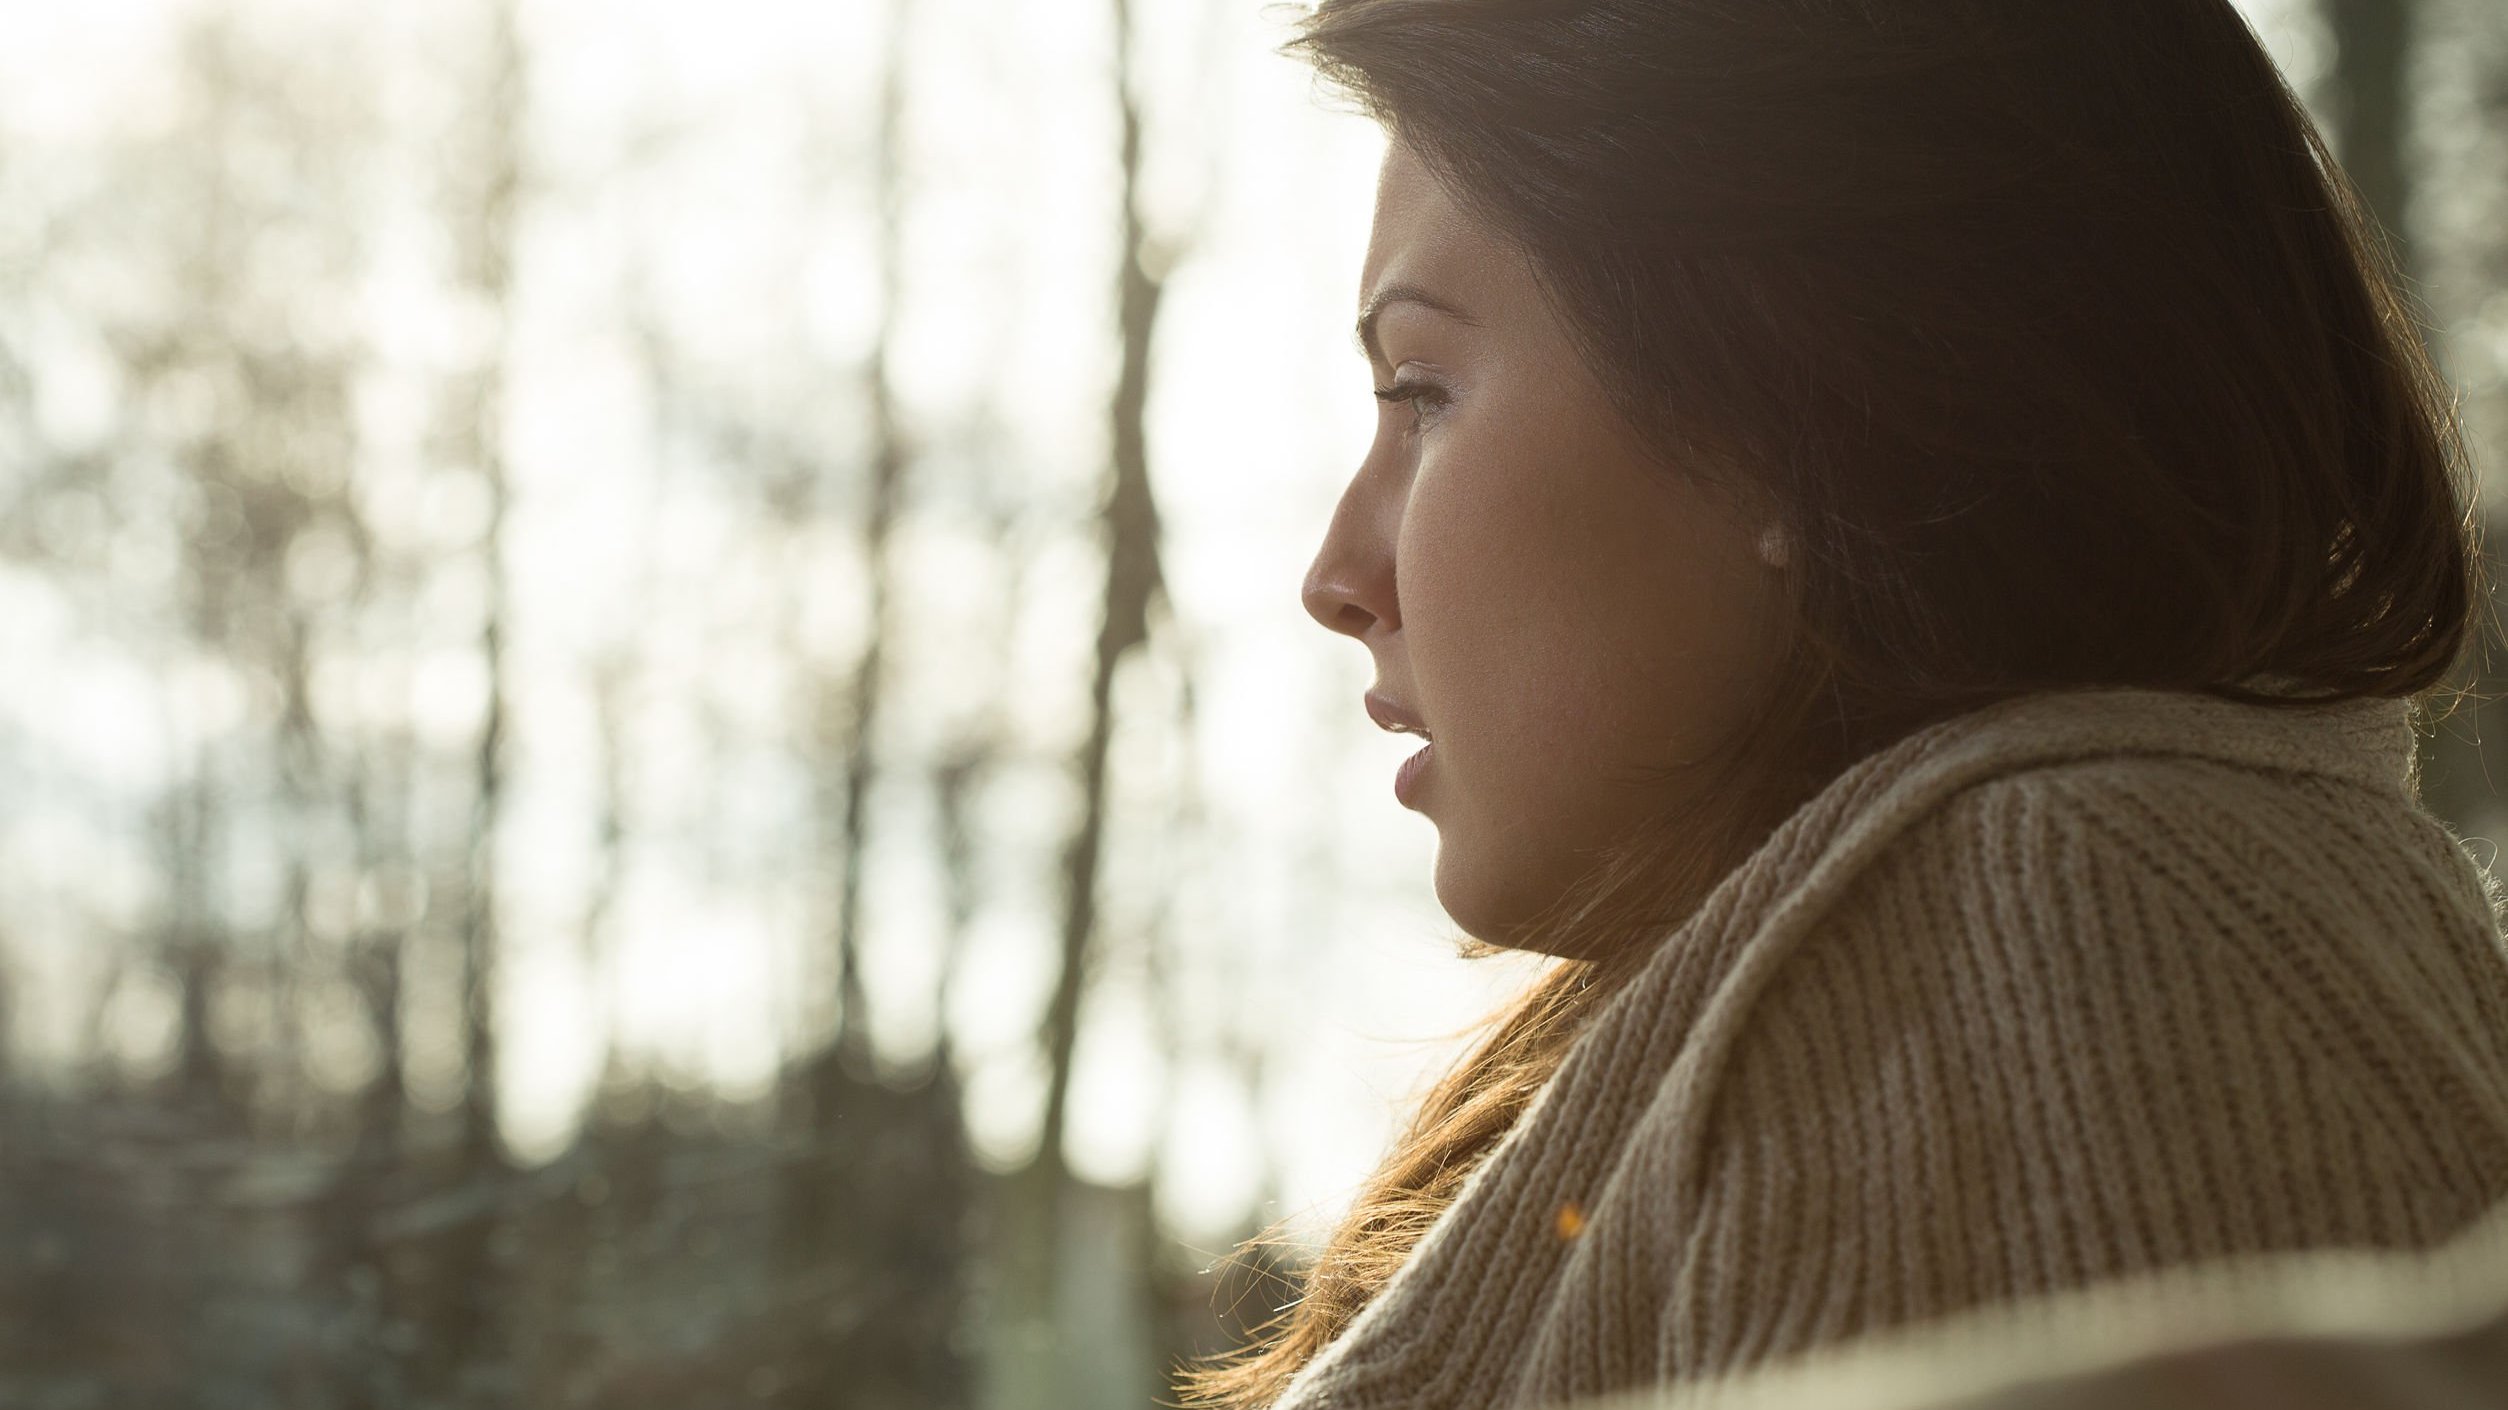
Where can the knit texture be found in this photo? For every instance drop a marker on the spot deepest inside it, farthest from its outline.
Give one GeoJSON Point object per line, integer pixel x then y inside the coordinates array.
{"type": "Point", "coordinates": [2081, 984]}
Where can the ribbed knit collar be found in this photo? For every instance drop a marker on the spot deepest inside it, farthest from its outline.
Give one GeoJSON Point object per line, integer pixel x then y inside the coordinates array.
{"type": "Point", "coordinates": [2368, 741]}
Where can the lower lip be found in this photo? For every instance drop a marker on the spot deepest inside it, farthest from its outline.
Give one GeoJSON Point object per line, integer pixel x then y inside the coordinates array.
{"type": "Point", "coordinates": [1406, 779]}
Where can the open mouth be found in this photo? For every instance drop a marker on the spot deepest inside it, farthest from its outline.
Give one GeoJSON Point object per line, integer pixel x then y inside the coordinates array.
{"type": "Point", "coordinates": [1393, 717]}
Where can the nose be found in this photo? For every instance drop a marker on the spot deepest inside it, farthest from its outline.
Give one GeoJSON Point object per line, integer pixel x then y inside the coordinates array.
{"type": "Point", "coordinates": [1349, 587]}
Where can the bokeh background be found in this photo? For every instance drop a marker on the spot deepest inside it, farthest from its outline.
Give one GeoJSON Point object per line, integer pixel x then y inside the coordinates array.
{"type": "Point", "coordinates": [656, 742]}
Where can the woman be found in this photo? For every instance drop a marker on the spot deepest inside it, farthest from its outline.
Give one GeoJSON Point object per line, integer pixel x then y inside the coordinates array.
{"type": "Point", "coordinates": [1917, 534]}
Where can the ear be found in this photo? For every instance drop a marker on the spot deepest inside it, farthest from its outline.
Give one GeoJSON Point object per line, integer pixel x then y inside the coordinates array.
{"type": "Point", "coordinates": [1774, 548]}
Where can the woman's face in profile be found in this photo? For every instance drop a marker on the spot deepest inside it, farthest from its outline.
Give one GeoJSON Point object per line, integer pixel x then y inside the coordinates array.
{"type": "Point", "coordinates": [1559, 613]}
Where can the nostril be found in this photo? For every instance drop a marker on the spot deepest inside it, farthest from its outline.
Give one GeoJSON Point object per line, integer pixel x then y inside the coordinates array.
{"type": "Point", "coordinates": [1336, 609]}
{"type": "Point", "coordinates": [1352, 598]}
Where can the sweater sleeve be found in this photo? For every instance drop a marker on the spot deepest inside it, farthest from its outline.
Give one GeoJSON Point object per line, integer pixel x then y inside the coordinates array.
{"type": "Point", "coordinates": [2081, 1022]}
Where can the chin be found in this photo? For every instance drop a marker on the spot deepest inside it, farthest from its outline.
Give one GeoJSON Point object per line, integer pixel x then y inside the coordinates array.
{"type": "Point", "coordinates": [1475, 896]}
{"type": "Point", "coordinates": [1501, 904]}
{"type": "Point", "coordinates": [1458, 896]}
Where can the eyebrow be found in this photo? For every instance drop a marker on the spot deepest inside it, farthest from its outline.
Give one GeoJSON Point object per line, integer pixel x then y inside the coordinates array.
{"type": "Point", "coordinates": [1393, 294]}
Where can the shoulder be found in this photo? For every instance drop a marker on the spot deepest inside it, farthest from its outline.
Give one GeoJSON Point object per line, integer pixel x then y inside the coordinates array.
{"type": "Point", "coordinates": [2104, 925]}
{"type": "Point", "coordinates": [2126, 870]}
{"type": "Point", "coordinates": [2091, 1018]}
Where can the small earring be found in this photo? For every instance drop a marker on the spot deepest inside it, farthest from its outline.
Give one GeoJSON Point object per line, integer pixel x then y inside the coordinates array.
{"type": "Point", "coordinates": [1772, 546]}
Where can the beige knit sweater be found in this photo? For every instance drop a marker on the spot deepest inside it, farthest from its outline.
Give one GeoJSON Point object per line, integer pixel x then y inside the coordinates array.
{"type": "Point", "coordinates": [2079, 984]}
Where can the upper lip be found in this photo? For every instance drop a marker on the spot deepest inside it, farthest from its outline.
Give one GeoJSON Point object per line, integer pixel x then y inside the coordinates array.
{"type": "Point", "coordinates": [1393, 716]}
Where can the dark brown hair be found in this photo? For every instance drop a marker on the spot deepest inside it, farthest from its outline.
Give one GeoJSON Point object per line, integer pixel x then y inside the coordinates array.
{"type": "Point", "coordinates": [2051, 333]}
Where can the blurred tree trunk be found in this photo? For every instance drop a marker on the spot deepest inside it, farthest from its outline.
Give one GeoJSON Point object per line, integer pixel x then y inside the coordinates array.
{"type": "Point", "coordinates": [379, 790]}
{"type": "Point", "coordinates": [956, 776]}
{"type": "Point", "coordinates": [193, 945]}
{"type": "Point", "coordinates": [193, 819]}
{"type": "Point", "coordinates": [859, 712]}
{"type": "Point", "coordinates": [463, 1336]}
{"type": "Point", "coordinates": [484, 236]}
{"type": "Point", "coordinates": [1129, 529]}
{"type": "Point", "coordinates": [2371, 124]}
{"type": "Point", "coordinates": [302, 775]}
{"type": "Point", "coordinates": [612, 674]}
{"type": "Point", "coordinates": [871, 1210]}
{"type": "Point", "coordinates": [350, 1264]}
{"type": "Point", "coordinates": [816, 1229]}
{"type": "Point", "coordinates": [2372, 49]}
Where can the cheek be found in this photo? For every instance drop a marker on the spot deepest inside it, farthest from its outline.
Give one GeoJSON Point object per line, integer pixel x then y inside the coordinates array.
{"type": "Point", "coordinates": [1680, 651]}
{"type": "Point", "coordinates": [1570, 615]}
{"type": "Point", "coordinates": [1509, 613]}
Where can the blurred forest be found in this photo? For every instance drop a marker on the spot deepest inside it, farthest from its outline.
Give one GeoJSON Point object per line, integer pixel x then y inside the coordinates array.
{"type": "Point", "coordinates": [638, 709]}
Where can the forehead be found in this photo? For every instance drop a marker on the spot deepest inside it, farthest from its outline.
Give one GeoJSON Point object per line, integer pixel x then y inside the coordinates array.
{"type": "Point", "coordinates": [1422, 237]}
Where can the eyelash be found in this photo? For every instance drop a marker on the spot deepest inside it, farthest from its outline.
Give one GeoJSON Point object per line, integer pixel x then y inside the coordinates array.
{"type": "Point", "coordinates": [1422, 396]}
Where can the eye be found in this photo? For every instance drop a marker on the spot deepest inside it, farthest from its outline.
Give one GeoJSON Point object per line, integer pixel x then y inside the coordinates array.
{"type": "Point", "coordinates": [1423, 397]}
